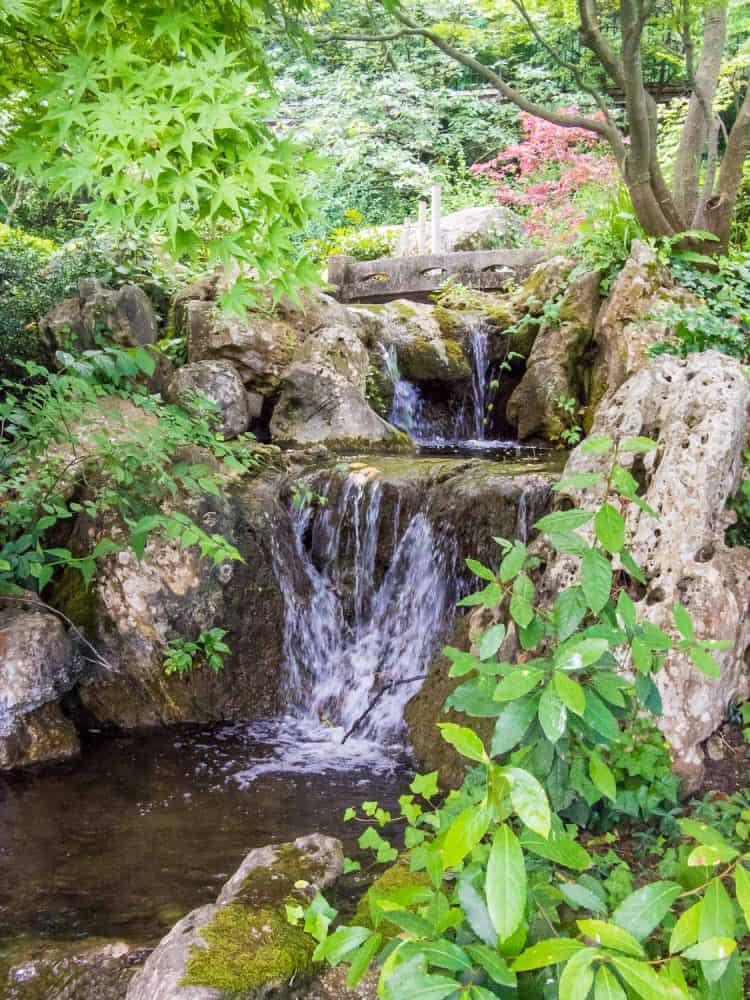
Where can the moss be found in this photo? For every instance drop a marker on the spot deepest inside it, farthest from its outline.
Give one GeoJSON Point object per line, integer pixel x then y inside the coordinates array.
{"type": "Point", "coordinates": [425, 360]}
{"type": "Point", "coordinates": [450, 321]}
{"type": "Point", "coordinates": [250, 942]}
{"type": "Point", "coordinates": [394, 878]}
{"type": "Point", "coordinates": [74, 599]}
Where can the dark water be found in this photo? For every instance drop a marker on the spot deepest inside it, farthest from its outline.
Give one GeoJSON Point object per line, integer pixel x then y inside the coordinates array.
{"type": "Point", "coordinates": [146, 826]}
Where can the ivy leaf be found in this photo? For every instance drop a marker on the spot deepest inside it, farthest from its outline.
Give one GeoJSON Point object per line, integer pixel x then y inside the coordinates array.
{"type": "Point", "coordinates": [505, 885]}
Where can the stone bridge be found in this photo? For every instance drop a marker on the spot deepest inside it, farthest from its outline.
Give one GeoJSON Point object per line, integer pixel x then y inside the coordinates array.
{"type": "Point", "coordinates": [416, 277]}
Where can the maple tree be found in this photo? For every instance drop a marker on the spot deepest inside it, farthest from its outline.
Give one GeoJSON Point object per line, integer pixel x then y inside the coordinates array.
{"type": "Point", "coordinates": [158, 115]}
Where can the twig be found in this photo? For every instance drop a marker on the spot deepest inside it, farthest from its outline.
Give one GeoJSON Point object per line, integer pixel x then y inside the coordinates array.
{"type": "Point", "coordinates": [98, 658]}
{"type": "Point", "coordinates": [384, 690]}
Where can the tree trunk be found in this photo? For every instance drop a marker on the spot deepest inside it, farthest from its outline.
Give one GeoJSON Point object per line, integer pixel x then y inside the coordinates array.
{"type": "Point", "coordinates": [697, 125]}
{"type": "Point", "coordinates": [716, 217]}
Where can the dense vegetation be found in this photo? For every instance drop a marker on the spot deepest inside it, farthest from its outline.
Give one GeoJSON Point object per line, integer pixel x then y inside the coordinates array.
{"type": "Point", "coordinates": [147, 143]}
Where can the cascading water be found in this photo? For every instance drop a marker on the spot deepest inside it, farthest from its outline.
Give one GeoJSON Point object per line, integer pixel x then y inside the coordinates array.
{"type": "Point", "coordinates": [349, 637]}
{"type": "Point", "coordinates": [480, 364]}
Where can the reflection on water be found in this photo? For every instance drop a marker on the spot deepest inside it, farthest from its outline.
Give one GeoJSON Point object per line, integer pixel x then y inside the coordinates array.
{"type": "Point", "coordinates": [146, 826]}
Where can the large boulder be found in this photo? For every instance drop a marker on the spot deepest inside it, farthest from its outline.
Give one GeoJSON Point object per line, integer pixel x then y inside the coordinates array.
{"type": "Point", "coordinates": [481, 227]}
{"type": "Point", "coordinates": [243, 944]}
{"type": "Point", "coordinates": [37, 667]}
{"type": "Point", "coordinates": [553, 369]}
{"type": "Point", "coordinates": [697, 410]}
{"type": "Point", "coordinates": [627, 326]}
{"type": "Point", "coordinates": [220, 384]}
{"type": "Point", "coordinates": [126, 313]}
{"type": "Point", "coordinates": [135, 607]}
{"type": "Point", "coordinates": [77, 970]}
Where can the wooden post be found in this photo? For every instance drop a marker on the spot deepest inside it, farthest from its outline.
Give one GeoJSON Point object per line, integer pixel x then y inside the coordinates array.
{"type": "Point", "coordinates": [422, 228]}
{"type": "Point", "coordinates": [437, 243]}
{"type": "Point", "coordinates": [403, 245]}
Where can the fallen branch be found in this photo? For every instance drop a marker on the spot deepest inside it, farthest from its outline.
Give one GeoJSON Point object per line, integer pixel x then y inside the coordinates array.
{"type": "Point", "coordinates": [37, 601]}
{"type": "Point", "coordinates": [384, 690]}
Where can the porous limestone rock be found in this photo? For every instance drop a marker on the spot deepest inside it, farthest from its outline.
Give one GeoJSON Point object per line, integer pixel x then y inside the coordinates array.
{"type": "Point", "coordinates": [37, 667]}
{"type": "Point", "coordinates": [626, 326]}
{"type": "Point", "coordinates": [243, 944]}
{"type": "Point", "coordinates": [553, 369]}
{"type": "Point", "coordinates": [76, 970]}
{"type": "Point", "coordinates": [220, 384]}
{"type": "Point", "coordinates": [697, 411]}
{"type": "Point", "coordinates": [127, 313]}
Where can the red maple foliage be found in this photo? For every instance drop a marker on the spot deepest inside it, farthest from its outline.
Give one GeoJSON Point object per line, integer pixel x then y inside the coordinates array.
{"type": "Point", "coordinates": [544, 171]}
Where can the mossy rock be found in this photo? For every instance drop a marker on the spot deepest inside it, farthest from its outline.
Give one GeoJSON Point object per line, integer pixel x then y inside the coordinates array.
{"type": "Point", "coordinates": [393, 879]}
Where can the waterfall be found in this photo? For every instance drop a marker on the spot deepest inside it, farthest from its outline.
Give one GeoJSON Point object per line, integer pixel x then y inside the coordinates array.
{"type": "Point", "coordinates": [480, 363]}
{"type": "Point", "coordinates": [406, 408]}
{"type": "Point", "coordinates": [350, 631]}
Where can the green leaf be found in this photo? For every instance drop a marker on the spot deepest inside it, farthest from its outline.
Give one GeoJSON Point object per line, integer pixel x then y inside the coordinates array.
{"type": "Point", "coordinates": [717, 913]}
{"type": "Point", "coordinates": [553, 715]}
{"type": "Point", "coordinates": [517, 684]}
{"type": "Point", "coordinates": [597, 445]}
{"type": "Point", "coordinates": [563, 521]}
{"type": "Point", "coordinates": [683, 621]}
{"type": "Point", "coordinates": [420, 986]}
{"type": "Point", "coordinates": [641, 978]}
{"type": "Point", "coordinates": [512, 725]}
{"type": "Point", "coordinates": [480, 570]}
{"type": "Point", "coordinates": [645, 909]}
{"type": "Point", "coordinates": [544, 953]}
{"type": "Point", "coordinates": [443, 954]}
{"type": "Point", "coordinates": [339, 944]}
{"type": "Point", "coordinates": [570, 610]}
{"type": "Point", "coordinates": [610, 936]}
{"type": "Point", "coordinates": [711, 950]}
{"type": "Point", "coordinates": [529, 800]}
{"type": "Point", "coordinates": [361, 959]}
{"type": "Point", "coordinates": [609, 526]}
{"type": "Point", "coordinates": [493, 964]}
{"type": "Point", "coordinates": [561, 849]}
{"type": "Point", "coordinates": [742, 887]}
{"type": "Point", "coordinates": [704, 662]}
{"type": "Point", "coordinates": [599, 717]}
{"type": "Point", "coordinates": [490, 641]}
{"type": "Point", "coordinates": [570, 692]}
{"type": "Point", "coordinates": [513, 562]}
{"type": "Point", "coordinates": [638, 444]}
{"type": "Point", "coordinates": [505, 887]}
{"type": "Point", "coordinates": [464, 833]}
{"type": "Point", "coordinates": [577, 977]}
{"type": "Point", "coordinates": [596, 579]}
{"type": "Point", "coordinates": [578, 481]}
{"type": "Point", "coordinates": [607, 986]}
{"type": "Point", "coordinates": [577, 653]}
{"type": "Point", "coordinates": [521, 607]}
{"type": "Point", "coordinates": [601, 777]}
{"type": "Point", "coordinates": [464, 740]}
{"type": "Point", "coordinates": [476, 913]}
{"type": "Point", "coordinates": [580, 897]}
{"type": "Point", "coordinates": [631, 567]}
{"type": "Point", "coordinates": [685, 931]}
{"type": "Point", "coordinates": [709, 855]}
{"type": "Point", "coordinates": [425, 785]}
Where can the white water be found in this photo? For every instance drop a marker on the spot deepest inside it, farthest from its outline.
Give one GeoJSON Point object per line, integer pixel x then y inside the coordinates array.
{"type": "Point", "coordinates": [480, 365]}
{"type": "Point", "coordinates": [349, 636]}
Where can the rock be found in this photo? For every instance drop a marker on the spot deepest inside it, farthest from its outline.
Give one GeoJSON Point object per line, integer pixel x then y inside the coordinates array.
{"type": "Point", "coordinates": [412, 331]}
{"type": "Point", "coordinates": [220, 384]}
{"type": "Point", "coordinates": [134, 607]}
{"type": "Point", "coordinates": [624, 332]}
{"type": "Point", "coordinates": [92, 970]}
{"type": "Point", "coordinates": [126, 313]}
{"type": "Point", "coordinates": [483, 227]}
{"type": "Point", "coordinates": [553, 369]}
{"type": "Point", "coordinates": [243, 943]}
{"type": "Point", "coordinates": [697, 410]}
{"type": "Point", "coordinates": [37, 667]}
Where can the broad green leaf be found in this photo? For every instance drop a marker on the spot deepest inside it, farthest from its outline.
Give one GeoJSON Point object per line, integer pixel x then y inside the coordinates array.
{"type": "Point", "coordinates": [610, 936]}
{"type": "Point", "coordinates": [580, 897]}
{"type": "Point", "coordinates": [683, 621]}
{"type": "Point", "coordinates": [442, 954]}
{"type": "Point", "coordinates": [491, 641]}
{"type": "Point", "coordinates": [645, 909]}
{"type": "Point", "coordinates": [685, 931]}
{"type": "Point", "coordinates": [708, 855]}
{"type": "Point", "coordinates": [420, 986]}
{"type": "Point", "coordinates": [601, 777]}
{"type": "Point", "coordinates": [464, 833]}
{"type": "Point", "coordinates": [577, 977]}
{"type": "Point", "coordinates": [570, 693]}
{"type": "Point", "coordinates": [607, 986]}
{"type": "Point", "coordinates": [361, 959]}
{"type": "Point", "coordinates": [513, 562]}
{"type": "Point", "coordinates": [476, 912]}
{"type": "Point", "coordinates": [742, 887]}
{"type": "Point", "coordinates": [505, 887]}
{"type": "Point", "coordinates": [529, 800]}
{"type": "Point", "coordinates": [579, 653]}
{"type": "Point", "coordinates": [578, 481]}
{"type": "Point", "coordinates": [704, 662]}
{"type": "Point", "coordinates": [462, 662]}
{"type": "Point", "coordinates": [638, 444]}
{"type": "Point", "coordinates": [553, 715]}
{"type": "Point", "coordinates": [642, 979]}
{"type": "Point", "coordinates": [716, 921]}
{"type": "Point", "coordinates": [512, 725]}
{"type": "Point", "coordinates": [563, 521]}
{"type": "Point", "coordinates": [597, 445]}
{"type": "Point", "coordinates": [521, 606]}
{"type": "Point", "coordinates": [464, 740]}
{"type": "Point", "coordinates": [493, 964]}
{"type": "Point", "coordinates": [596, 579]}
{"type": "Point", "coordinates": [517, 684]}
{"type": "Point", "coordinates": [711, 950]}
{"type": "Point", "coordinates": [478, 569]}
{"type": "Point", "coordinates": [570, 610]}
{"type": "Point", "coordinates": [549, 952]}
{"type": "Point", "coordinates": [339, 944]}
{"type": "Point", "coordinates": [558, 847]}
{"type": "Point", "coordinates": [599, 717]}
{"type": "Point", "coordinates": [609, 527]}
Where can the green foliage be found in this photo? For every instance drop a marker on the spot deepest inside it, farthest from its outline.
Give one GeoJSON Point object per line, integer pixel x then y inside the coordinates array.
{"type": "Point", "coordinates": [569, 411]}
{"type": "Point", "coordinates": [353, 240]}
{"type": "Point", "coordinates": [159, 117]}
{"type": "Point", "coordinates": [209, 650]}
{"type": "Point", "coordinates": [606, 234]}
{"type": "Point", "coordinates": [88, 440]}
{"type": "Point", "coordinates": [504, 869]}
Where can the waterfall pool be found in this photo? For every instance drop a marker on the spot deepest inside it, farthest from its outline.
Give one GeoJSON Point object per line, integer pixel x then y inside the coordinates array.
{"type": "Point", "coordinates": [145, 826]}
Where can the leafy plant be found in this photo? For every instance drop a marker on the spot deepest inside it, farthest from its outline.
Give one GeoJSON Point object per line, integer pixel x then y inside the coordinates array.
{"type": "Point", "coordinates": [496, 868]}
{"type": "Point", "coordinates": [353, 240]}
{"type": "Point", "coordinates": [208, 650]}
{"type": "Point", "coordinates": [606, 234]}
{"type": "Point", "coordinates": [569, 410]}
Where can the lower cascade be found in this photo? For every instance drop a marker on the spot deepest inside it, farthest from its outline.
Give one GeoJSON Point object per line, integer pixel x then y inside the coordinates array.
{"type": "Point", "coordinates": [357, 632]}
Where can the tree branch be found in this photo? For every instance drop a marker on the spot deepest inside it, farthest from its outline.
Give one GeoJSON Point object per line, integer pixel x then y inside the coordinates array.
{"type": "Point", "coordinates": [592, 37]}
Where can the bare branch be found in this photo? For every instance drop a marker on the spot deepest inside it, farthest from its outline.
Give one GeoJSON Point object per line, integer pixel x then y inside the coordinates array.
{"type": "Point", "coordinates": [592, 37]}
{"type": "Point", "coordinates": [36, 601]}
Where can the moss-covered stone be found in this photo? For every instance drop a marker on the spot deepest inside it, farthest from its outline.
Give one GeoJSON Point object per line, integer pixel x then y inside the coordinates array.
{"type": "Point", "coordinates": [250, 942]}
{"type": "Point", "coordinates": [392, 880]}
